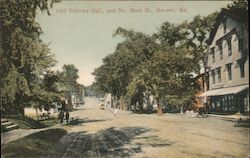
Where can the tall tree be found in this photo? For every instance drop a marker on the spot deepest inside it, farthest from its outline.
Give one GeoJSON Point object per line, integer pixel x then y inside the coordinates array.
{"type": "Point", "coordinates": [68, 78]}
{"type": "Point", "coordinates": [26, 58]}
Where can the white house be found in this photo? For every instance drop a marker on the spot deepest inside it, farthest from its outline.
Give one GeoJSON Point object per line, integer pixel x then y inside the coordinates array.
{"type": "Point", "coordinates": [228, 65]}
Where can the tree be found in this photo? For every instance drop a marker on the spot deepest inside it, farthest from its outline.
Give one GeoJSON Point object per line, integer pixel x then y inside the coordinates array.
{"type": "Point", "coordinates": [160, 65]}
{"type": "Point", "coordinates": [68, 78]}
{"type": "Point", "coordinates": [240, 9]}
{"type": "Point", "coordinates": [68, 82]}
{"type": "Point", "coordinates": [25, 57]}
{"type": "Point", "coordinates": [120, 67]}
{"type": "Point", "coordinates": [199, 30]}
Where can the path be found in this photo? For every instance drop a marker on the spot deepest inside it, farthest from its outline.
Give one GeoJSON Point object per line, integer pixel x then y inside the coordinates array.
{"type": "Point", "coordinates": [98, 133]}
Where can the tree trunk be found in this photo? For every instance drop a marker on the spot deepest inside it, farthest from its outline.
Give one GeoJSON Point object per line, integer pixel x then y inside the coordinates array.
{"type": "Point", "coordinates": [122, 105]}
{"type": "Point", "coordinates": [159, 108]}
{"type": "Point", "coordinates": [111, 99]}
{"type": "Point", "coordinates": [37, 113]}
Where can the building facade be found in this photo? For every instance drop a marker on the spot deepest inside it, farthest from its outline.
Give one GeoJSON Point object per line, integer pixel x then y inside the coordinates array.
{"type": "Point", "coordinates": [202, 83]}
{"type": "Point", "coordinates": [228, 65]}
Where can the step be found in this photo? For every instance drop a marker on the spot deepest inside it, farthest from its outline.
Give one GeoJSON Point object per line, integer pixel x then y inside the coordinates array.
{"type": "Point", "coordinates": [8, 128]}
{"type": "Point", "coordinates": [4, 120]}
{"type": "Point", "coordinates": [5, 124]}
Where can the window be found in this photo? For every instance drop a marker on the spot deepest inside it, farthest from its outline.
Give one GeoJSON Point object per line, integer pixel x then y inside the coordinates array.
{"type": "Point", "coordinates": [213, 55]}
{"type": "Point", "coordinates": [242, 68]}
{"type": "Point", "coordinates": [219, 74]}
{"type": "Point", "coordinates": [240, 41]}
{"type": "Point", "coordinates": [213, 76]}
{"type": "Point", "coordinates": [234, 41]}
{"type": "Point", "coordinates": [229, 72]}
{"type": "Point", "coordinates": [224, 23]}
{"type": "Point", "coordinates": [229, 46]}
{"type": "Point", "coordinates": [221, 51]}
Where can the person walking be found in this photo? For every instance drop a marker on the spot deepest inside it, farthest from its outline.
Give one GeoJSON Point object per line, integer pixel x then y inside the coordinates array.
{"type": "Point", "coordinates": [61, 114]}
{"type": "Point", "coordinates": [67, 108]}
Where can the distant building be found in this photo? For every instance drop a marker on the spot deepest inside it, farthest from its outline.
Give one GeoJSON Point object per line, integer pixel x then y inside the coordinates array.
{"type": "Point", "coordinates": [228, 65]}
{"type": "Point", "coordinates": [202, 82]}
{"type": "Point", "coordinates": [107, 101]}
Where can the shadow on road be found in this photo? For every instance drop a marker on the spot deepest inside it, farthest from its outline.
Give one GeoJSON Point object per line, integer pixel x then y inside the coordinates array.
{"type": "Point", "coordinates": [77, 121]}
{"type": "Point", "coordinates": [111, 142]}
{"type": "Point", "coordinates": [34, 145]}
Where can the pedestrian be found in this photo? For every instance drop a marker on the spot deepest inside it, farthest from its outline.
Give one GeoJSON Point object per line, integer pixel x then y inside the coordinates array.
{"type": "Point", "coordinates": [66, 109]}
{"type": "Point", "coordinates": [67, 116]}
{"type": "Point", "coordinates": [116, 112]}
{"type": "Point", "coordinates": [116, 109]}
{"type": "Point", "coordinates": [61, 116]}
{"type": "Point", "coordinates": [62, 109]}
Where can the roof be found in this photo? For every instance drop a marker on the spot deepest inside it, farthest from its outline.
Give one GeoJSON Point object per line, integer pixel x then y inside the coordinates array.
{"type": "Point", "coordinates": [225, 12]}
{"type": "Point", "coordinates": [225, 91]}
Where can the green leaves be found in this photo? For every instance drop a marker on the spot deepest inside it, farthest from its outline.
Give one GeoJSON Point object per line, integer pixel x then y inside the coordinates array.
{"type": "Point", "coordinates": [26, 57]}
{"type": "Point", "coordinates": [161, 64]}
{"type": "Point", "coordinates": [68, 78]}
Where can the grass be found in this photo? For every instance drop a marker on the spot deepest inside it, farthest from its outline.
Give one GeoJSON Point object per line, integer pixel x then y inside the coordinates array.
{"type": "Point", "coordinates": [29, 123]}
{"type": "Point", "coordinates": [35, 145]}
{"type": "Point", "coordinates": [50, 122]}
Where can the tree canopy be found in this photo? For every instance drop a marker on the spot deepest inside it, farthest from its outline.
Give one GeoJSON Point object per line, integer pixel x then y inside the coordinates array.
{"type": "Point", "coordinates": [161, 64]}
{"type": "Point", "coordinates": [25, 59]}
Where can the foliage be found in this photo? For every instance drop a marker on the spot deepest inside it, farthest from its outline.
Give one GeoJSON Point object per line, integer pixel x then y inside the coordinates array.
{"type": "Point", "coordinates": [26, 59]}
{"type": "Point", "coordinates": [68, 81]}
{"type": "Point", "coordinates": [240, 9]}
{"type": "Point", "coordinates": [160, 65]}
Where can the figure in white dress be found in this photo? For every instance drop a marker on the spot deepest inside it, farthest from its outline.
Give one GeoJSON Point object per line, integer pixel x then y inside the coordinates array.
{"type": "Point", "coordinates": [116, 112]}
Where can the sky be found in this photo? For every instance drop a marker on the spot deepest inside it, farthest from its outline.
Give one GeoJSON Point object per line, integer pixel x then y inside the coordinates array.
{"type": "Point", "coordinates": [81, 32]}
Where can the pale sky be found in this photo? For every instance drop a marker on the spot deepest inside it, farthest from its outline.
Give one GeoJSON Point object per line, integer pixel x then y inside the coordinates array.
{"type": "Point", "coordinates": [81, 36]}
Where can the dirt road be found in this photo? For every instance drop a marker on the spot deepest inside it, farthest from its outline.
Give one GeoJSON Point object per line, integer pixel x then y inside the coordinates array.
{"type": "Point", "coordinates": [98, 133]}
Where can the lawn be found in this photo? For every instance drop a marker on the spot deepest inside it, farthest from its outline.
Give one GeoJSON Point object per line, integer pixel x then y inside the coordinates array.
{"type": "Point", "coordinates": [29, 123]}
{"type": "Point", "coordinates": [35, 145]}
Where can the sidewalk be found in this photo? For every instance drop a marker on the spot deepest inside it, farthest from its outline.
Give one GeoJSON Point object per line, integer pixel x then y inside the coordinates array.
{"type": "Point", "coordinates": [230, 117]}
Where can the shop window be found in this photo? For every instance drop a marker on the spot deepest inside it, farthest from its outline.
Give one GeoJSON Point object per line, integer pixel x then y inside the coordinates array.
{"type": "Point", "coordinates": [213, 105]}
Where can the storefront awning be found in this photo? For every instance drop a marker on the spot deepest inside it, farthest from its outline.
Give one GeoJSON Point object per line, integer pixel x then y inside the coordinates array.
{"type": "Point", "coordinates": [224, 91]}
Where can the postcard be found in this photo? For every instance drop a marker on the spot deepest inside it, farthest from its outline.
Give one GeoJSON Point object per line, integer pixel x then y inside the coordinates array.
{"type": "Point", "coordinates": [143, 79]}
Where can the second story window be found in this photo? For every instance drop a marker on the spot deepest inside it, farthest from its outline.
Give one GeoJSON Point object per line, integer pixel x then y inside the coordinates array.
{"type": "Point", "coordinates": [240, 42]}
{"type": "Point", "coordinates": [242, 70]}
{"type": "Point", "coordinates": [213, 55]}
{"type": "Point", "coordinates": [229, 71]}
{"type": "Point", "coordinates": [241, 63]}
{"type": "Point", "coordinates": [229, 46]}
{"type": "Point", "coordinates": [234, 42]}
{"type": "Point", "coordinates": [219, 74]}
{"type": "Point", "coordinates": [213, 76]}
{"type": "Point", "coordinates": [221, 51]}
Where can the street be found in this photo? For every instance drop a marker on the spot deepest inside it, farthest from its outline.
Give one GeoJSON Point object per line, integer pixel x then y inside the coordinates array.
{"type": "Point", "coordinates": [98, 133]}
